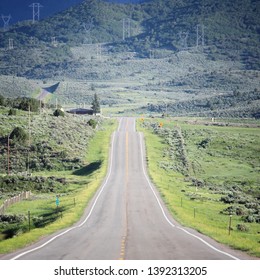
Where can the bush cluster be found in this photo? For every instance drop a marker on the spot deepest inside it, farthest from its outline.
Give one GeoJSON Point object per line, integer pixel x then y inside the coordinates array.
{"type": "Point", "coordinates": [92, 123]}
{"type": "Point", "coordinates": [19, 135]}
{"type": "Point", "coordinates": [12, 218]}
{"type": "Point", "coordinates": [175, 154]}
{"type": "Point", "coordinates": [229, 105]}
{"type": "Point", "coordinates": [21, 103]}
{"type": "Point", "coordinates": [242, 205]}
{"type": "Point", "coordinates": [17, 184]}
{"type": "Point", "coordinates": [58, 113]}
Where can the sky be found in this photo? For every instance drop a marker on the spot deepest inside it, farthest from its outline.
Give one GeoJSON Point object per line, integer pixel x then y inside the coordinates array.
{"type": "Point", "coordinates": [20, 10]}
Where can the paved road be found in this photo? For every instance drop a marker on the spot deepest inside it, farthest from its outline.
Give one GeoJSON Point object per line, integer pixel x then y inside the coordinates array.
{"type": "Point", "coordinates": [126, 219]}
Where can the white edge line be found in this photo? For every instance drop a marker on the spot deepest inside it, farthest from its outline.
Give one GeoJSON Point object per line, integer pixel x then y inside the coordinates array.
{"type": "Point", "coordinates": [86, 219]}
{"type": "Point", "coordinates": [160, 205]}
{"type": "Point", "coordinates": [119, 126]}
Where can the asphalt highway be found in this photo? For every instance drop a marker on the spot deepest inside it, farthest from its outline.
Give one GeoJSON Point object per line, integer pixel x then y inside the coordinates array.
{"type": "Point", "coordinates": [126, 219]}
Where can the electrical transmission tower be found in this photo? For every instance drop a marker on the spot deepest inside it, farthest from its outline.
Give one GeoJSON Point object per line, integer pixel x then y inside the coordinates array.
{"type": "Point", "coordinates": [54, 42]}
{"type": "Point", "coordinates": [151, 54]}
{"type": "Point", "coordinates": [88, 27]}
{"type": "Point", "coordinates": [99, 51]}
{"type": "Point", "coordinates": [200, 35]}
{"type": "Point", "coordinates": [36, 11]}
{"type": "Point", "coordinates": [183, 40]}
{"type": "Point", "coordinates": [10, 44]}
{"type": "Point", "coordinates": [32, 41]}
{"type": "Point", "coordinates": [6, 20]}
{"type": "Point", "coordinates": [126, 28]}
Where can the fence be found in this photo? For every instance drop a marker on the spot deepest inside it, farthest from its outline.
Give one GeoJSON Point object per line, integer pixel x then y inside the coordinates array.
{"type": "Point", "coordinates": [10, 201]}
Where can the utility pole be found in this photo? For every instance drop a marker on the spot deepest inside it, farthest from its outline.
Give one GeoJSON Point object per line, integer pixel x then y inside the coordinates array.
{"type": "Point", "coordinates": [36, 11]}
{"type": "Point", "coordinates": [29, 125]}
{"type": "Point", "coordinates": [6, 20]}
{"type": "Point", "coordinates": [8, 154]}
{"type": "Point", "coordinates": [123, 29]}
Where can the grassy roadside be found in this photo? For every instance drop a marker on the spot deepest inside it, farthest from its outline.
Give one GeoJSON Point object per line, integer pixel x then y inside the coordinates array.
{"type": "Point", "coordinates": [82, 185]}
{"type": "Point", "coordinates": [200, 207]}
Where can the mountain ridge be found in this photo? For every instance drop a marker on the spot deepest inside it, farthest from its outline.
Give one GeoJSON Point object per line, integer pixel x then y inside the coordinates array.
{"type": "Point", "coordinates": [21, 10]}
{"type": "Point", "coordinates": [178, 50]}
{"type": "Point", "coordinates": [155, 24]}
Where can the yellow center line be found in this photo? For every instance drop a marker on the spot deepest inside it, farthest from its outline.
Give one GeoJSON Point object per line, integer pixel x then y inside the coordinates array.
{"type": "Point", "coordinates": [123, 240]}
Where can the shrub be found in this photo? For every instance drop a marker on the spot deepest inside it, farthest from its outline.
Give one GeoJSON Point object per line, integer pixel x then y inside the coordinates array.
{"type": "Point", "coordinates": [228, 199]}
{"type": "Point", "coordinates": [235, 210]}
{"type": "Point", "coordinates": [242, 227]}
{"type": "Point", "coordinates": [12, 218]}
{"type": "Point", "coordinates": [249, 219]}
{"type": "Point", "coordinates": [2, 100]}
{"type": "Point", "coordinates": [12, 112]}
{"type": "Point", "coordinates": [92, 123]}
{"type": "Point", "coordinates": [18, 135]}
{"type": "Point", "coordinates": [58, 113]}
{"type": "Point", "coordinates": [204, 143]}
{"type": "Point", "coordinates": [27, 103]}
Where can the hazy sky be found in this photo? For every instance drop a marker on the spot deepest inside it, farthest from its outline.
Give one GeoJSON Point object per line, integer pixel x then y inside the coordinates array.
{"type": "Point", "coordinates": [20, 10]}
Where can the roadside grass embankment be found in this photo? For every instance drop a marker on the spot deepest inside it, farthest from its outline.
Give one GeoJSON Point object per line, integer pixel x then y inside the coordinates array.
{"type": "Point", "coordinates": [81, 185]}
{"type": "Point", "coordinates": [217, 164]}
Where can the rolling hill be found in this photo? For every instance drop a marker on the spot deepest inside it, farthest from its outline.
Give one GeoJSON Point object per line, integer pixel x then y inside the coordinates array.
{"type": "Point", "coordinates": [136, 55]}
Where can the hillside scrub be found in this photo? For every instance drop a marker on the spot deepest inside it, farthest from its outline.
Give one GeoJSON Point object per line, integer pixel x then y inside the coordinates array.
{"type": "Point", "coordinates": [55, 144]}
{"type": "Point", "coordinates": [231, 33]}
{"type": "Point", "coordinates": [230, 105]}
{"type": "Point", "coordinates": [74, 188]}
{"type": "Point", "coordinates": [18, 135]}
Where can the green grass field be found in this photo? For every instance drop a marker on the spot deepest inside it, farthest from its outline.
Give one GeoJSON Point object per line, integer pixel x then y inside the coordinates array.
{"type": "Point", "coordinates": [82, 185]}
{"type": "Point", "coordinates": [230, 159]}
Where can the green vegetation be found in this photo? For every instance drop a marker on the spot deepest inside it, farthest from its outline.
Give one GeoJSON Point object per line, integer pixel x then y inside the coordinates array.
{"type": "Point", "coordinates": [207, 173]}
{"type": "Point", "coordinates": [58, 113]}
{"type": "Point", "coordinates": [18, 135]}
{"type": "Point", "coordinates": [55, 143]}
{"type": "Point", "coordinates": [151, 71]}
{"type": "Point", "coordinates": [21, 103]}
{"type": "Point", "coordinates": [92, 123]}
{"type": "Point", "coordinates": [236, 105]}
{"type": "Point", "coordinates": [12, 112]}
{"type": "Point", "coordinates": [95, 104]}
{"type": "Point", "coordinates": [75, 188]}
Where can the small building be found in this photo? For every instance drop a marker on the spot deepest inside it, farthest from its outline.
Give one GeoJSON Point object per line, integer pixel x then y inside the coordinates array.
{"type": "Point", "coordinates": [81, 111]}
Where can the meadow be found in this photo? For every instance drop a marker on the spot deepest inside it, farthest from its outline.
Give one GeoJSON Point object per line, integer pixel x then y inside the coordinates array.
{"type": "Point", "coordinates": [208, 177]}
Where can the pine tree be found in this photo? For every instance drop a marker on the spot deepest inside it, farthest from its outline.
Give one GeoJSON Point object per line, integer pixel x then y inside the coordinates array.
{"type": "Point", "coordinates": [95, 104]}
